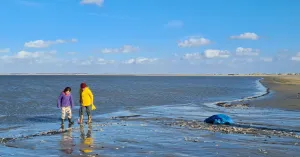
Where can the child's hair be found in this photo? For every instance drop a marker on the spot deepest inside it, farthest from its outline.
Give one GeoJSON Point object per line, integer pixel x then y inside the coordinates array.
{"type": "Point", "coordinates": [67, 89]}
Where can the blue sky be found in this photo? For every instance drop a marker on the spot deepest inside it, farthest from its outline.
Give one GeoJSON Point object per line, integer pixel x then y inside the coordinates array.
{"type": "Point", "coordinates": [142, 36]}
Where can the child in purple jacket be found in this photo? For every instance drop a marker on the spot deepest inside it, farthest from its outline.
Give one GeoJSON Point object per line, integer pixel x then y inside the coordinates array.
{"type": "Point", "coordinates": [65, 102]}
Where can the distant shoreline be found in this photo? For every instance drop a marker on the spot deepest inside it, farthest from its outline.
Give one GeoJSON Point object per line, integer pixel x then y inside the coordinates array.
{"type": "Point", "coordinates": [87, 74]}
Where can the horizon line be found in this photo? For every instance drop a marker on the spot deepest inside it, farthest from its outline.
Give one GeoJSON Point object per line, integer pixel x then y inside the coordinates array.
{"type": "Point", "coordinates": [150, 74]}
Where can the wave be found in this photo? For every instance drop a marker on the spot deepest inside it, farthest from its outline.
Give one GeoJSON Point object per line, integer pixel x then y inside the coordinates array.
{"type": "Point", "coordinates": [262, 91]}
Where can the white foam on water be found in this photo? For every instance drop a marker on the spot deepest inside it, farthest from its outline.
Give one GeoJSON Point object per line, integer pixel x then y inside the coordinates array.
{"type": "Point", "coordinates": [116, 114]}
{"type": "Point", "coordinates": [262, 90]}
{"type": "Point", "coordinates": [262, 116]}
{"type": "Point", "coordinates": [185, 111]}
{"type": "Point", "coordinates": [189, 110]}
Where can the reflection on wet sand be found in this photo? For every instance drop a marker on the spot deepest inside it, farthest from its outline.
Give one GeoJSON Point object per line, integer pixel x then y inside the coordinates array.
{"type": "Point", "coordinates": [86, 141]}
{"type": "Point", "coordinates": [67, 142]}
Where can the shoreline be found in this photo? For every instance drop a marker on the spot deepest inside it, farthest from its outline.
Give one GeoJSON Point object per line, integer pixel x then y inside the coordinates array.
{"type": "Point", "coordinates": [284, 90]}
{"type": "Point", "coordinates": [245, 102]}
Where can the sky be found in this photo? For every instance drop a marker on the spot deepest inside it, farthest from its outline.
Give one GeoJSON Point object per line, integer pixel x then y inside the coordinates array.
{"type": "Point", "coordinates": [149, 36]}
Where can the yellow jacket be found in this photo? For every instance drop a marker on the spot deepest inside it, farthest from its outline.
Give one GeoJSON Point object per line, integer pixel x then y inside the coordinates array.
{"type": "Point", "coordinates": [86, 97]}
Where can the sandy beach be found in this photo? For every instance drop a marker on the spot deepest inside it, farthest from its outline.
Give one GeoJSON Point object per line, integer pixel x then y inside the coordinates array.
{"type": "Point", "coordinates": [284, 93]}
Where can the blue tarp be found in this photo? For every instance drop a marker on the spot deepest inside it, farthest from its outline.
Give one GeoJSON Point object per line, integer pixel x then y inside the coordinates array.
{"type": "Point", "coordinates": [219, 119]}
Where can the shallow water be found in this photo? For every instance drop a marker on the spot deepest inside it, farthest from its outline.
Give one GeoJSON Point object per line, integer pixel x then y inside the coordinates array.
{"type": "Point", "coordinates": [152, 104]}
{"type": "Point", "coordinates": [32, 99]}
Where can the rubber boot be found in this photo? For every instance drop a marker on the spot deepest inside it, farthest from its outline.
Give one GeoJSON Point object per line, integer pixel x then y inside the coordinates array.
{"type": "Point", "coordinates": [81, 119]}
{"type": "Point", "coordinates": [70, 121]}
{"type": "Point", "coordinates": [89, 119]}
{"type": "Point", "coordinates": [62, 122]}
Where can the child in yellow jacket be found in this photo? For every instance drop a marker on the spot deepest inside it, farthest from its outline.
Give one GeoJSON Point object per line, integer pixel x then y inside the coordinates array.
{"type": "Point", "coordinates": [86, 100]}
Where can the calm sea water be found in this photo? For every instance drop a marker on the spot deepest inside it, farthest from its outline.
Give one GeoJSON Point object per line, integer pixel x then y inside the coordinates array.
{"type": "Point", "coordinates": [33, 99]}
{"type": "Point", "coordinates": [28, 107]}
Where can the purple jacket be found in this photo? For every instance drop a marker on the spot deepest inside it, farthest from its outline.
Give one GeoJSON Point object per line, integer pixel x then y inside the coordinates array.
{"type": "Point", "coordinates": [65, 100]}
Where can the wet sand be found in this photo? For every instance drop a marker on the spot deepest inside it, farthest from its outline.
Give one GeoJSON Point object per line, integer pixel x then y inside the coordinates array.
{"type": "Point", "coordinates": [176, 131]}
{"type": "Point", "coordinates": [284, 93]}
{"type": "Point", "coordinates": [137, 136]}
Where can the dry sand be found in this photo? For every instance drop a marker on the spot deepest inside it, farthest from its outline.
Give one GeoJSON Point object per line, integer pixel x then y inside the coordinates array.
{"type": "Point", "coordinates": [284, 90]}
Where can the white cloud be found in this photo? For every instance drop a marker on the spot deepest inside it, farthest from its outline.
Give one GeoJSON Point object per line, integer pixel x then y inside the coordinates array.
{"type": "Point", "coordinates": [247, 51]}
{"type": "Point", "coordinates": [25, 54]}
{"type": "Point", "coordinates": [86, 62]}
{"type": "Point", "coordinates": [71, 53]}
{"type": "Point", "coordinates": [30, 57]}
{"type": "Point", "coordinates": [103, 61]}
{"type": "Point", "coordinates": [44, 44]}
{"type": "Point", "coordinates": [6, 50]}
{"type": "Point", "coordinates": [41, 43]}
{"type": "Point", "coordinates": [72, 60]}
{"type": "Point", "coordinates": [128, 48]}
{"type": "Point", "coordinates": [216, 53]}
{"type": "Point", "coordinates": [110, 50]}
{"type": "Point", "coordinates": [209, 53]}
{"type": "Point", "coordinates": [174, 24]}
{"type": "Point", "coordinates": [237, 61]}
{"type": "Point", "coordinates": [124, 49]}
{"type": "Point", "coordinates": [297, 57]}
{"type": "Point", "coordinates": [89, 61]}
{"type": "Point", "coordinates": [191, 56]}
{"type": "Point", "coordinates": [267, 59]}
{"type": "Point", "coordinates": [93, 61]}
{"type": "Point", "coordinates": [194, 42]}
{"type": "Point", "coordinates": [247, 35]}
{"type": "Point", "coordinates": [140, 60]}
{"type": "Point", "coordinates": [74, 40]}
{"type": "Point", "coordinates": [96, 2]}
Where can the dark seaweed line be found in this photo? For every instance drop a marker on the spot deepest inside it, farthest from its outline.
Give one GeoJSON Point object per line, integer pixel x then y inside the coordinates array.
{"type": "Point", "coordinates": [48, 133]}
{"type": "Point", "coordinates": [237, 129]}
{"type": "Point", "coordinates": [222, 103]}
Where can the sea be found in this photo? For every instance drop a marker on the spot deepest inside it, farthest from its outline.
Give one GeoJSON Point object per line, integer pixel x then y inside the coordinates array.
{"type": "Point", "coordinates": [133, 116]}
